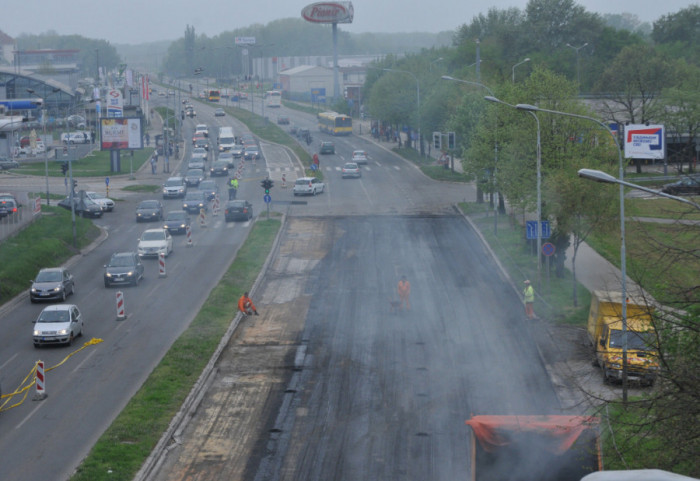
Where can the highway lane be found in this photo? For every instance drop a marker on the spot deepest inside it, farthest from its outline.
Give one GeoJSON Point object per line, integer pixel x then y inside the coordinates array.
{"type": "Point", "coordinates": [47, 439]}
{"type": "Point", "coordinates": [329, 383]}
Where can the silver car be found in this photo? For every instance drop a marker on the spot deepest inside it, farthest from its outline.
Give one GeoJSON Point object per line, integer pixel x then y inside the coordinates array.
{"type": "Point", "coordinates": [308, 186]}
{"type": "Point", "coordinates": [58, 324]}
{"type": "Point", "coordinates": [52, 284]}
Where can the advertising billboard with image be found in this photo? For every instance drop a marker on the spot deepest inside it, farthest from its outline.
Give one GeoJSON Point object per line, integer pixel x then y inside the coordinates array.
{"type": "Point", "coordinates": [645, 142]}
{"type": "Point", "coordinates": [121, 133]}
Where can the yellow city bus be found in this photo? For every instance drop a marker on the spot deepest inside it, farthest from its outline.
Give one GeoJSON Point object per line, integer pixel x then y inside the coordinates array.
{"type": "Point", "coordinates": [214, 96]}
{"type": "Point", "coordinates": [334, 123]}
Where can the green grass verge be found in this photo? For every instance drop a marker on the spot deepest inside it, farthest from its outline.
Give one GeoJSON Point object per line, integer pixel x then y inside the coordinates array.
{"type": "Point", "coordinates": [46, 242]}
{"type": "Point", "coordinates": [96, 164]}
{"type": "Point", "coordinates": [555, 300]}
{"type": "Point", "coordinates": [123, 448]}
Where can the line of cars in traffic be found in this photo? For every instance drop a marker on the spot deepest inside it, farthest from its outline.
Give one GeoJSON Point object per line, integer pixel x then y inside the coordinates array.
{"type": "Point", "coordinates": [62, 323]}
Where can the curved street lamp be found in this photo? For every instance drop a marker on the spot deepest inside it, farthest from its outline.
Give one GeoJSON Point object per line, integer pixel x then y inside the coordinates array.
{"type": "Point", "coordinates": [495, 146]}
{"type": "Point", "coordinates": [578, 68]}
{"type": "Point", "coordinates": [517, 64]}
{"type": "Point", "coordinates": [623, 254]}
{"type": "Point", "coordinates": [420, 137]}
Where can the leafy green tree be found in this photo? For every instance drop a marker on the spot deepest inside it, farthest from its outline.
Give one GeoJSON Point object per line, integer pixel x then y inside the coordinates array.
{"type": "Point", "coordinates": [679, 111]}
{"type": "Point", "coordinates": [678, 34]}
{"type": "Point", "coordinates": [551, 24]}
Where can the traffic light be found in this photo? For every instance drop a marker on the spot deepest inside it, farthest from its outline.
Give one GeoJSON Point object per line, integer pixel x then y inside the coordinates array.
{"type": "Point", "coordinates": [437, 140]}
{"type": "Point", "coordinates": [267, 184]}
{"type": "Point", "coordinates": [64, 167]}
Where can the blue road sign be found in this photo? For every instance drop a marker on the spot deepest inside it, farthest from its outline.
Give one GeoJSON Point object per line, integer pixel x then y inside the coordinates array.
{"type": "Point", "coordinates": [548, 249]}
{"type": "Point", "coordinates": [106, 180]}
{"type": "Point", "coordinates": [267, 199]}
{"type": "Point", "coordinates": [314, 166]}
{"type": "Point", "coordinates": [545, 230]}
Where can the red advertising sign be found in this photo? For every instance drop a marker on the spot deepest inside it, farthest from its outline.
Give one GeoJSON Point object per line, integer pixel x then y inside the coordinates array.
{"type": "Point", "coordinates": [329, 12]}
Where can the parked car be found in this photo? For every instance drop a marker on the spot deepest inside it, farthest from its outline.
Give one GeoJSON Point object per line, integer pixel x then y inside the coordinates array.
{"type": "Point", "coordinates": [327, 147]}
{"type": "Point", "coordinates": [687, 185]}
{"type": "Point", "coordinates": [219, 112]}
{"type": "Point", "coordinates": [7, 164]}
{"type": "Point", "coordinates": [148, 210]}
{"type": "Point", "coordinates": [194, 201]}
{"type": "Point", "coordinates": [251, 152]}
{"type": "Point", "coordinates": [123, 268]}
{"type": "Point", "coordinates": [174, 187]}
{"type": "Point", "coordinates": [238, 210]}
{"type": "Point", "coordinates": [351, 169]}
{"type": "Point", "coordinates": [210, 189]}
{"type": "Point", "coordinates": [154, 242]}
{"type": "Point", "coordinates": [193, 177]}
{"type": "Point", "coordinates": [308, 185]}
{"type": "Point", "coordinates": [58, 324]}
{"type": "Point", "coordinates": [360, 157]}
{"type": "Point", "coordinates": [84, 206]}
{"type": "Point", "coordinates": [106, 204]}
{"type": "Point", "coordinates": [52, 284]}
{"type": "Point", "coordinates": [176, 222]}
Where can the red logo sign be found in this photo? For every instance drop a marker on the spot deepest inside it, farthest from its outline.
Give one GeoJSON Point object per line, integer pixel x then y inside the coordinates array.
{"type": "Point", "coordinates": [328, 12]}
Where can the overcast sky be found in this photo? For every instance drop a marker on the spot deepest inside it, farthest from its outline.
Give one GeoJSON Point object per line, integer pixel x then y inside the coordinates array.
{"type": "Point", "coordinates": [134, 22]}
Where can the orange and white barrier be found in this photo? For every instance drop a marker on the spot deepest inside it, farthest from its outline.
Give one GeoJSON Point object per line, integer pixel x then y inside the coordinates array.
{"type": "Point", "coordinates": [189, 236]}
{"type": "Point", "coordinates": [121, 309]}
{"type": "Point", "coordinates": [161, 265]}
{"type": "Point", "coordinates": [284, 181]}
{"type": "Point", "coordinates": [216, 205]}
{"type": "Point", "coordinates": [202, 218]}
{"type": "Point", "coordinates": [40, 382]}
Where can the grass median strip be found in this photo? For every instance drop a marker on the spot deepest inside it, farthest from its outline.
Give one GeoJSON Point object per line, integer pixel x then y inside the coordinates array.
{"type": "Point", "coordinates": [122, 449]}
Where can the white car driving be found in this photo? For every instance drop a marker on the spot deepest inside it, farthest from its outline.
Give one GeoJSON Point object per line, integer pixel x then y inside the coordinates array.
{"type": "Point", "coordinates": [308, 185]}
{"type": "Point", "coordinates": [105, 203]}
{"type": "Point", "coordinates": [154, 242]}
{"type": "Point", "coordinates": [58, 324]}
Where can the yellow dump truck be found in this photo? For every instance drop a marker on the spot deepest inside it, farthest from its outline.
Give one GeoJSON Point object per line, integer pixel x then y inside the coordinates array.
{"type": "Point", "coordinates": [605, 334]}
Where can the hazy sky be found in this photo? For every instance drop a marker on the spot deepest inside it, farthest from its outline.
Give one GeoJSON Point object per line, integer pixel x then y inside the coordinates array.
{"type": "Point", "coordinates": [135, 22]}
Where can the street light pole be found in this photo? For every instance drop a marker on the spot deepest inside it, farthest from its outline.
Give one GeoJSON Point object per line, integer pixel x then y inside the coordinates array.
{"type": "Point", "coordinates": [495, 145]}
{"type": "Point", "coordinates": [519, 63]}
{"type": "Point", "coordinates": [623, 254]}
{"type": "Point", "coordinates": [420, 137]}
{"type": "Point", "coordinates": [600, 176]}
{"type": "Point", "coordinates": [578, 64]}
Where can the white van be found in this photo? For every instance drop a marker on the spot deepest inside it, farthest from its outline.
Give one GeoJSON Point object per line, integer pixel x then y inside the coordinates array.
{"type": "Point", "coordinates": [226, 139]}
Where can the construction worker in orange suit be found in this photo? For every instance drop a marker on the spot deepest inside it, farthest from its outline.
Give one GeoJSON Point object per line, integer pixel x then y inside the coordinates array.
{"type": "Point", "coordinates": [246, 306]}
{"type": "Point", "coordinates": [404, 289]}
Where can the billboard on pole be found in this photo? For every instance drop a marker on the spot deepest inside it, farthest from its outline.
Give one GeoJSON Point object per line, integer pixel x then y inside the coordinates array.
{"type": "Point", "coordinates": [328, 12]}
{"type": "Point", "coordinates": [121, 133]}
{"type": "Point", "coordinates": [645, 142]}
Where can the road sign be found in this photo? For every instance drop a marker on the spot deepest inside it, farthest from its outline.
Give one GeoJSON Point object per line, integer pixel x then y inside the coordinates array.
{"type": "Point", "coordinates": [314, 166]}
{"type": "Point", "coordinates": [267, 199]}
{"type": "Point", "coordinates": [545, 230]}
{"type": "Point", "coordinates": [548, 249]}
{"type": "Point", "coordinates": [106, 180]}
